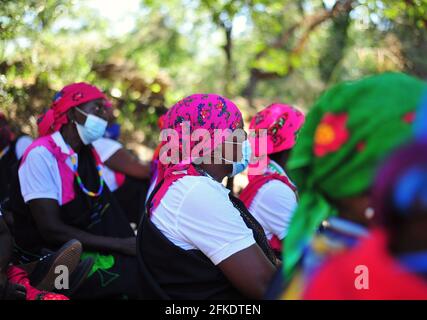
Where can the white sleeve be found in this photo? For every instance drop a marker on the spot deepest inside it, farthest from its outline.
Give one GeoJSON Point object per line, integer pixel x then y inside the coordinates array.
{"type": "Point", "coordinates": [106, 148]}
{"type": "Point", "coordinates": [21, 145]}
{"type": "Point", "coordinates": [39, 176]}
{"type": "Point", "coordinates": [275, 207]}
{"type": "Point", "coordinates": [208, 220]}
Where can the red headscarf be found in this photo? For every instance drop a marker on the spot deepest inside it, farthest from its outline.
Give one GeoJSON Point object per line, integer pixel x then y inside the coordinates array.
{"type": "Point", "coordinates": [69, 97]}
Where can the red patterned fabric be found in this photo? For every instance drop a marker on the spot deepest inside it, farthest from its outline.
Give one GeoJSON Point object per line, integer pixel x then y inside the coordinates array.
{"type": "Point", "coordinates": [18, 276]}
{"type": "Point", "coordinates": [248, 194]}
{"type": "Point", "coordinates": [387, 279]}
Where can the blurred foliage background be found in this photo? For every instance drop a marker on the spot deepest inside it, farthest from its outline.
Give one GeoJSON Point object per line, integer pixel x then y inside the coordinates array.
{"type": "Point", "coordinates": [148, 54]}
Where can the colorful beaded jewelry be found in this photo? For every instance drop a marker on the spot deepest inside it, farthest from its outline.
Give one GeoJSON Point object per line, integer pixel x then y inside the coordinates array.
{"type": "Point", "coordinates": [79, 180]}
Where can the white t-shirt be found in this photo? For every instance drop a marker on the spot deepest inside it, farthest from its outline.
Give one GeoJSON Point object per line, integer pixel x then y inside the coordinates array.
{"type": "Point", "coordinates": [273, 207]}
{"type": "Point", "coordinates": [196, 213]}
{"type": "Point", "coordinates": [39, 175]}
{"type": "Point", "coordinates": [105, 148]}
{"type": "Point", "coordinates": [21, 145]}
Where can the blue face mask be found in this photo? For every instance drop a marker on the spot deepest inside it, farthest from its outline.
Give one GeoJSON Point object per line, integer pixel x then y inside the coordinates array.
{"type": "Point", "coordinates": [113, 131]}
{"type": "Point", "coordinates": [241, 165]}
{"type": "Point", "coordinates": [92, 130]}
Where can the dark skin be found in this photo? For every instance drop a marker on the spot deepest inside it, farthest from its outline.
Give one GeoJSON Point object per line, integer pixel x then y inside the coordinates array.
{"type": "Point", "coordinates": [407, 233]}
{"type": "Point", "coordinates": [46, 212]}
{"type": "Point", "coordinates": [353, 208]}
{"type": "Point", "coordinates": [125, 162]}
{"type": "Point", "coordinates": [5, 249]}
{"type": "Point", "coordinates": [408, 236]}
{"type": "Point", "coordinates": [281, 158]}
{"type": "Point", "coordinates": [249, 270]}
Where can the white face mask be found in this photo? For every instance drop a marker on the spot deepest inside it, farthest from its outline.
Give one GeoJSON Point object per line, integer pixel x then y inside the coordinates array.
{"type": "Point", "coordinates": [241, 165]}
{"type": "Point", "coordinates": [93, 128]}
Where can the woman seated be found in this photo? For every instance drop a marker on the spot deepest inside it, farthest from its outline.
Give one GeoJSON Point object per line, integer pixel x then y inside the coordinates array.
{"type": "Point", "coordinates": [12, 147]}
{"type": "Point", "coordinates": [349, 130]}
{"type": "Point", "coordinates": [34, 281]}
{"type": "Point", "coordinates": [64, 195]}
{"type": "Point", "coordinates": [270, 195]}
{"type": "Point", "coordinates": [392, 262]}
{"type": "Point", "coordinates": [197, 241]}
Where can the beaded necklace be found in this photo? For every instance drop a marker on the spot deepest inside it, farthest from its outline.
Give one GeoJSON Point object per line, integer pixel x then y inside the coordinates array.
{"type": "Point", "coordinates": [4, 151]}
{"type": "Point", "coordinates": [79, 180]}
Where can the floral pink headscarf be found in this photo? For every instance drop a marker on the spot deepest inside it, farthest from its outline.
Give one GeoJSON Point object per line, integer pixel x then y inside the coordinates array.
{"type": "Point", "coordinates": [282, 122]}
{"type": "Point", "coordinates": [198, 111]}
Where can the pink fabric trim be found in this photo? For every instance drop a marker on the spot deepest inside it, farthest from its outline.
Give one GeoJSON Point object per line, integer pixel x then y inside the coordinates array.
{"type": "Point", "coordinates": [275, 243]}
{"type": "Point", "coordinates": [67, 175]}
{"type": "Point", "coordinates": [248, 194]}
{"type": "Point", "coordinates": [120, 178]}
{"type": "Point", "coordinates": [172, 175]}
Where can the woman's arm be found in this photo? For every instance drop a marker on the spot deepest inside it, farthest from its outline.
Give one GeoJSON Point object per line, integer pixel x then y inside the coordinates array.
{"type": "Point", "coordinates": [125, 162]}
{"type": "Point", "coordinates": [249, 271]}
{"type": "Point", "coordinates": [46, 213]}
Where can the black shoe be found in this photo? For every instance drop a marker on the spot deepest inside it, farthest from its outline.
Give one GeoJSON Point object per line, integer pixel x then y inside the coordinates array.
{"type": "Point", "coordinates": [42, 276]}
{"type": "Point", "coordinates": [78, 277]}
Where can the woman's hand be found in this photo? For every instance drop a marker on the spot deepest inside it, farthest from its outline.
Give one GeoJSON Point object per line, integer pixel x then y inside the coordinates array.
{"type": "Point", "coordinates": [128, 246]}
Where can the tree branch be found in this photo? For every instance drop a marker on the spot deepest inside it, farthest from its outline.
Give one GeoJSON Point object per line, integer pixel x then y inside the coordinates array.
{"type": "Point", "coordinates": [309, 25]}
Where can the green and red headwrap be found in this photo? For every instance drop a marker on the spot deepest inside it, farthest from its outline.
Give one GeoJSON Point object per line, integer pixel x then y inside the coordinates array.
{"type": "Point", "coordinates": [347, 133]}
{"type": "Point", "coordinates": [69, 97]}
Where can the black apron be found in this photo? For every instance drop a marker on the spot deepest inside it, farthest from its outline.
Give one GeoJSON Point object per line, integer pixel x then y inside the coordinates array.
{"type": "Point", "coordinates": [170, 272]}
{"type": "Point", "coordinates": [96, 215]}
{"type": "Point", "coordinates": [131, 197]}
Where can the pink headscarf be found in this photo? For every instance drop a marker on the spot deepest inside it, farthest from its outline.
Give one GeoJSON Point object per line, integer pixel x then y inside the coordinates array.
{"type": "Point", "coordinates": [282, 122]}
{"type": "Point", "coordinates": [69, 97]}
{"type": "Point", "coordinates": [199, 111]}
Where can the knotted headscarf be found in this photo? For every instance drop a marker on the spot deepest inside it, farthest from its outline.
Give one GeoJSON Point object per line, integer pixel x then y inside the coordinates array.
{"type": "Point", "coordinates": [282, 123]}
{"type": "Point", "coordinates": [198, 111]}
{"type": "Point", "coordinates": [349, 130]}
{"type": "Point", "coordinates": [69, 97]}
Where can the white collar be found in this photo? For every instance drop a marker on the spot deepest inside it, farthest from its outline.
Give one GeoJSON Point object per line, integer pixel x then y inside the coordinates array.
{"type": "Point", "coordinates": [280, 169]}
{"type": "Point", "coordinates": [60, 142]}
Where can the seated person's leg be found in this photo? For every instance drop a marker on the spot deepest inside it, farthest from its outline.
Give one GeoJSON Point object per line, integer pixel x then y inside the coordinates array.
{"type": "Point", "coordinates": [7, 290]}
